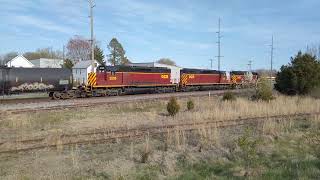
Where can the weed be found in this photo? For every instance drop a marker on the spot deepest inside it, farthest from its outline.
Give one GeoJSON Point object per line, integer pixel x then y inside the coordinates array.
{"type": "Point", "coordinates": [190, 105]}
{"type": "Point", "coordinates": [148, 173]}
{"type": "Point", "coordinates": [229, 96]}
{"type": "Point", "coordinates": [173, 107]}
{"type": "Point", "coordinates": [248, 145]}
{"type": "Point", "coordinates": [144, 156]}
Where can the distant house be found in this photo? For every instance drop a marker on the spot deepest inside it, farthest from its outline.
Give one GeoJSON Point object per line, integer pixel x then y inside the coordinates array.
{"type": "Point", "coordinates": [47, 63]}
{"type": "Point", "coordinates": [175, 70]}
{"type": "Point", "coordinates": [81, 70]}
{"type": "Point", "coordinates": [20, 61]}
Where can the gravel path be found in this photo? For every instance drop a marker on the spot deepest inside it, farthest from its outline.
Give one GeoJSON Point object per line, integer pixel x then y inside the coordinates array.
{"type": "Point", "coordinates": [103, 100]}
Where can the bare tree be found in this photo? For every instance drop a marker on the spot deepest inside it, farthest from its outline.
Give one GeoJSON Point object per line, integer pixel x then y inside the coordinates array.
{"type": "Point", "coordinates": [314, 51]}
{"type": "Point", "coordinates": [44, 53]}
{"type": "Point", "coordinates": [7, 57]}
{"type": "Point", "coordinates": [79, 49]}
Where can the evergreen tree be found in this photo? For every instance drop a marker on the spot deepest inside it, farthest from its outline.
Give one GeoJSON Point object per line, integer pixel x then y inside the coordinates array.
{"type": "Point", "coordinates": [98, 55]}
{"type": "Point", "coordinates": [300, 76]}
{"type": "Point", "coordinates": [117, 53]}
{"type": "Point", "coordinates": [68, 64]}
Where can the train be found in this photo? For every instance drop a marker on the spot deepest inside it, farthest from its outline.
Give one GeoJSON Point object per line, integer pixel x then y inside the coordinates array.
{"type": "Point", "coordinates": [119, 80]}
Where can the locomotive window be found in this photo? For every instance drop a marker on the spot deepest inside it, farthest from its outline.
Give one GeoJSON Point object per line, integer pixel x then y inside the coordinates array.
{"type": "Point", "coordinates": [113, 73]}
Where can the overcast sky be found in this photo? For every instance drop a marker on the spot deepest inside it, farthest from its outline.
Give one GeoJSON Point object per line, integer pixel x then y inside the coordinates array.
{"type": "Point", "coordinates": [183, 30]}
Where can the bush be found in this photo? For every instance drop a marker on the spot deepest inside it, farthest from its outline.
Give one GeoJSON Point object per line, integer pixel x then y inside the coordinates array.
{"type": "Point", "coordinates": [173, 106]}
{"type": "Point", "coordinates": [315, 93]}
{"type": "Point", "coordinates": [248, 143]}
{"type": "Point", "coordinates": [264, 91]}
{"type": "Point", "coordinates": [300, 76]}
{"type": "Point", "coordinates": [229, 96]}
{"type": "Point", "coordinates": [190, 105]}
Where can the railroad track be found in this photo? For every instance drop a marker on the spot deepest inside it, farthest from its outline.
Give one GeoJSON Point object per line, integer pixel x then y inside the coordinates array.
{"type": "Point", "coordinates": [98, 136]}
{"type": "Point", "coordinates": [89, 102]}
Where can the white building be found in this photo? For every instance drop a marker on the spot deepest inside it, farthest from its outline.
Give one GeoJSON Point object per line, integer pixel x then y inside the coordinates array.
{"type": "Point", "coordinates": [81, 70]}
{"type": "Point", "coordinates": [175, 70]}
{"type": "Point", "coordinates": [47, 63]}
{"type": "Point", "coordinates": [20, 61]}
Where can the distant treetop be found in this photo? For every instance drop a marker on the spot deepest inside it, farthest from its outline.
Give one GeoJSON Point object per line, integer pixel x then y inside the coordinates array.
{"type": "Point", "coordinates": [166, 61]}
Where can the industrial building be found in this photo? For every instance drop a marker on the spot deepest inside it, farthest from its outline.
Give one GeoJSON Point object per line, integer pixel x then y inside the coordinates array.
{"type": "Point", "coordinates": [47, 63]}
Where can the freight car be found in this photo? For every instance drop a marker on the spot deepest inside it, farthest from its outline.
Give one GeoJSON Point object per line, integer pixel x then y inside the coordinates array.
{"type": "Point", "coordinates": [21, 80]}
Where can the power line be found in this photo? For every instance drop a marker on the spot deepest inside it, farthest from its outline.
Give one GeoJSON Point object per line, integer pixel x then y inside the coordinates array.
{"type": "Point", "coordinates": [219, 44]}
{"type": "Point", "coordinates": [92, 5]}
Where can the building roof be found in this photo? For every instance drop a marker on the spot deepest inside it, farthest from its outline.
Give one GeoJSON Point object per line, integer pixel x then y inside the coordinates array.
{"type": "Point", "coordinates": [83, 64]}
{"type": "Point", "coordinates": [21, 58]}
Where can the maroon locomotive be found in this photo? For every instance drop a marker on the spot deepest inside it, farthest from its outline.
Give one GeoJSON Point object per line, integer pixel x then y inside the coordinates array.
{"type": "Point", "coordinates": [118, 80]}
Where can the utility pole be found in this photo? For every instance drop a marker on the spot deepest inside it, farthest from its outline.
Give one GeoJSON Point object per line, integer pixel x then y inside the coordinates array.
{"type": "Point", "coordinates": [271, 58]}
{"type": "Point", "coordinates": [92, 5]}
{"type": "Point", "coordinates": [63, 52]}
{"type": "Point", "coordinates": [271, 62]}
{"type": "Point", "coordinates": [219, 44]}
{"type": "Point", "coordinates": [250, 65]}
{"type": "Point", "coordinates": [211, 60]}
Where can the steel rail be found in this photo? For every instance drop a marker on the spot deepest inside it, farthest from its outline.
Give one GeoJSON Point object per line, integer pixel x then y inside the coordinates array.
{"type": "Point", "coordinates": [129, 98]}
{"type": "Point", "coordinates": [98, 136]}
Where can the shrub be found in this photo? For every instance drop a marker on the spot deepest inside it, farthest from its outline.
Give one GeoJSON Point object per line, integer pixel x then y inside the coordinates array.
{"type": "Point", "coordinates": [190, 105]}
{"type": "Point", "coordinates": [315, 93]}
{"type": "Point", "coordinates": [229, 96]}
{"type": "Point", "coordinates": [248, 144]}
{"type": "Point", "coordinates": [263, 91]}
{"type": "Point", "coordinates": [300, 76]}
{"type": "Point", "coordinates": [173, 106]}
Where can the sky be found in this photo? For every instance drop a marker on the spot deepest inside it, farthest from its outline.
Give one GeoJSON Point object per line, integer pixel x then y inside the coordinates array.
{"type": "Point", "coordinates": [182, 30]}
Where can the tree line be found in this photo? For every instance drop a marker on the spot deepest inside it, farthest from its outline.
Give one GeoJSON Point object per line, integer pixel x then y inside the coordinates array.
{"type": "Point", "coordinates": [79, 49]}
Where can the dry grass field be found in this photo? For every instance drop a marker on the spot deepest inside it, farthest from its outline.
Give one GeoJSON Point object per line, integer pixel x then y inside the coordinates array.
{"type": "Point", "coordinates": [204, 154]}
{"type": "Point", "coordinates": [150, 113]}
